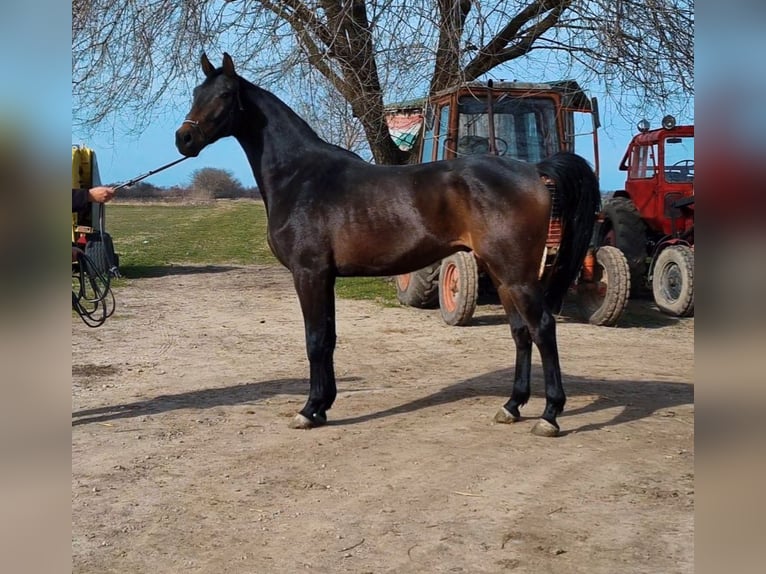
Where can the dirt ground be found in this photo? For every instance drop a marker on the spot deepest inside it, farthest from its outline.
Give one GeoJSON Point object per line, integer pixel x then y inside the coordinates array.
{"type": "Point", "coordinates": [182, 459]}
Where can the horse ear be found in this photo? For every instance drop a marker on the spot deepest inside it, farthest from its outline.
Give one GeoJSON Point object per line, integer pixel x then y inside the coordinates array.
{"type": "Point", "coordinates": [207, 67]}
{"type": "Point", "coordinates": [228, 65]}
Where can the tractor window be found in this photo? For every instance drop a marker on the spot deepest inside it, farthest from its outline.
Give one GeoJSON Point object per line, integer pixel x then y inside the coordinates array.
{"type": "Point", "coordinates": [679, 159]}
{"type": "Point", "coordinates": [428, 142]}
{"type": "Point", "coordinates": [643, 162]}
{"type": "Point", "coordinates": [443, 131]}
{"type": "Point", "coordinates": [525, 128]}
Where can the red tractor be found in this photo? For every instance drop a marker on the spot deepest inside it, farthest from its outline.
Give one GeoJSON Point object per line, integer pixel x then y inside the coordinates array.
{"type": "Point", "coordinates": [652, 220]}
{"type": "Point", "coordinates": [526, 121]}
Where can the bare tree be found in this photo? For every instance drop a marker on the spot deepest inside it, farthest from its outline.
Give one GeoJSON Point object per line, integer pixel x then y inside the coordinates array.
{"type": "Point", "coordinates": [317, 102]}
{"type": "Point", "coordinates": [211, 183]}
{"type": "Point", "coordinates": [133, 54]}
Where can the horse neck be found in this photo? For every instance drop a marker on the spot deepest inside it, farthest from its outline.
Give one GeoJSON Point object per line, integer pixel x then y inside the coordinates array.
{"type": "Point", "coordinates": [275, 139]}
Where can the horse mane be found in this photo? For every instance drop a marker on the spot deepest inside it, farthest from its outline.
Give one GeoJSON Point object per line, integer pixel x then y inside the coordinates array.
{"type": "Point", "coordinates": [266, 102]}
{"type": "Point", "coordinates": [270, 106]}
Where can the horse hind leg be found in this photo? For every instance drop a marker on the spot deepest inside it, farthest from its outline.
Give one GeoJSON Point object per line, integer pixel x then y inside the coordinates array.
{"type": "Point", "coordinates": [529, 302]}
{"type": "Point", "coordinates": [509, 413]}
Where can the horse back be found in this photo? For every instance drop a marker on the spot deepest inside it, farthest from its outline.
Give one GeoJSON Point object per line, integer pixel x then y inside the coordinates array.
{"type": "Point", "coordinates": [381, 220]}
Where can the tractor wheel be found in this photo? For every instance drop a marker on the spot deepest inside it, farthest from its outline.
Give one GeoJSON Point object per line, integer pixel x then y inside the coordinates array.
{"type": "Point", "coordinates": [624, 229]}
{"type": "Point", "coordinates": [419, 288]}
{"type": "Point", "coordinates": [673, 281]}
{"type": "Point", "coordinates": [458, 288]}
{"type": "Point", "coordinates": [602, 297]}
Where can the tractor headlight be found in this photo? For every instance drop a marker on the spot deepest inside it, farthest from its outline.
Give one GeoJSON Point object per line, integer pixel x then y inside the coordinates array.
{"type": "Point", "coordinates": [643, 126]}
{"type": "Point", "coordinates": [668, 122]}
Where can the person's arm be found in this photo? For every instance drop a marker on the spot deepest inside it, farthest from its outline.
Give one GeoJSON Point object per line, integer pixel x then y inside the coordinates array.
{"type": "Point", "coordinates": [80, 200]}
{"type": "Point", "coordinates": [98, 194]}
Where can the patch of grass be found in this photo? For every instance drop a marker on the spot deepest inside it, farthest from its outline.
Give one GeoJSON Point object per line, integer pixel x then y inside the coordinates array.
{"type": "Point", "coordinates": [378, 289]}
{"type": "Point", "coordinates": [152, 237]}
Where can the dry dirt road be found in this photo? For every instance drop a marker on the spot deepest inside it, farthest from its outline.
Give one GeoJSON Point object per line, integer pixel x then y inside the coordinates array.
{"type": "Point", "coordinates": [182, 459]}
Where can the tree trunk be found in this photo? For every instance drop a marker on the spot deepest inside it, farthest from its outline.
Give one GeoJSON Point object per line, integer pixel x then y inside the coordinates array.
{"type": "Point", "coordinates": [447, 72]}
{"type": "Point", "coordinates": [354, 52]}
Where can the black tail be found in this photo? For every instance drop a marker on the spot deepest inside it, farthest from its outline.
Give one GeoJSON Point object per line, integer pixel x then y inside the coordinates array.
{"type": "Point", "coordinates": [579, 200]}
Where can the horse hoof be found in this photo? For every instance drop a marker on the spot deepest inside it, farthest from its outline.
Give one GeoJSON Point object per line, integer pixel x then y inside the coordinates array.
{"type": "Point", "coordinates": [301, 422]}
{"type": "Point", "coordinates": [544, 428]}
{"type": "Point", "coordinates": [504, 416]}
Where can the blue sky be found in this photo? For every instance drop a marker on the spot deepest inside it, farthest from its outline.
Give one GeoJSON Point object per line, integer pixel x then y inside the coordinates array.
{"type": "Point", "coordinates": [122, 157]}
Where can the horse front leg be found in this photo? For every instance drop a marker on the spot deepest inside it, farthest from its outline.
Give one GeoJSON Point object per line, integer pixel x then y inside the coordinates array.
{"type": "Point", "coordinates": [317, 298]}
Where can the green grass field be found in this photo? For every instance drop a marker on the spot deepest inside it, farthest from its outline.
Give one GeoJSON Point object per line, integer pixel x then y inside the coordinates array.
{"type": "Point", "coordinates": [152, 236]}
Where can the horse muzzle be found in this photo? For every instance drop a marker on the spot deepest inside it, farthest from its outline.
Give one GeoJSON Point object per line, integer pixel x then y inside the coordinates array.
{"type": "Point", "coordinates": [189, 139]}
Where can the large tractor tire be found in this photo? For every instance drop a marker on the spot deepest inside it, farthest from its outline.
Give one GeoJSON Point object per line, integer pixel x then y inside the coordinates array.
{"type": "Point", "coordinates": [673, 281]}
{"type": "Point", "coordinates": [419, 288]}
{"type": "Point", "coordinates": [458, 288]}
{"type": "Point", "coordinates": [623, 228]}
{"type": "Point", "coordinates": [602, 297]}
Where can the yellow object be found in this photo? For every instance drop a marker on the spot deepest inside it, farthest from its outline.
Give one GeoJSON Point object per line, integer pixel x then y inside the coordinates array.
{"type": "Point", "coordinates": [82, 167]}
{"type": "Point", "coordinates": [84, 174]}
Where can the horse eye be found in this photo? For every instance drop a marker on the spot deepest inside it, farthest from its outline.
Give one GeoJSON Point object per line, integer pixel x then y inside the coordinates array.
{"type": "Point", "coordinates": [227, 95]}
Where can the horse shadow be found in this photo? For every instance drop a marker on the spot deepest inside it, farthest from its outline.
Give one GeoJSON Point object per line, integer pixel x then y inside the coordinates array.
{"type": "Point", "coordinates": [146, 271]}
{"type": "Point", "coordinates": [200, 399]}
{"type": "Point", "coordinates": [637, 399]}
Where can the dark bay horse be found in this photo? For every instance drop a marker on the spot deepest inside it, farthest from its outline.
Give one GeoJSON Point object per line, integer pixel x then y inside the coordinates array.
{"type": "Point", "coordinates": [331, 214]}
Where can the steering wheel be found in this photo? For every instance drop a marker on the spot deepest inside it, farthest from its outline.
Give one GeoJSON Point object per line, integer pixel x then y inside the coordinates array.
{"type": "Point", "coordinates": [478, 145]}
{"type": "Point", "coordinates": [680, 172]}
{"type": "Point", "coordinates": [501, 145]}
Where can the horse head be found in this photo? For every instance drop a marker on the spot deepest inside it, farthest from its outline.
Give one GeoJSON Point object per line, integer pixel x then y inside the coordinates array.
{"type": "Point", "coordinates": [215, 106]}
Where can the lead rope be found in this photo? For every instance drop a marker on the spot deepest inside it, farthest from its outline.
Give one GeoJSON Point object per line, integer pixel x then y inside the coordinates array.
{"type": "Point", "coordinates": [92, 296]}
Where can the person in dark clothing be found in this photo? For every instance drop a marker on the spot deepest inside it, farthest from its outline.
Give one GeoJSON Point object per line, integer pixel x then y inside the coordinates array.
{"type": "Point", "coordinates": [81, 198]}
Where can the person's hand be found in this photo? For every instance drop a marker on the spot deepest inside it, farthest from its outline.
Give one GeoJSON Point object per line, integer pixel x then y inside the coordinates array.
{"type": "Point", "coordinates": [100, 194]}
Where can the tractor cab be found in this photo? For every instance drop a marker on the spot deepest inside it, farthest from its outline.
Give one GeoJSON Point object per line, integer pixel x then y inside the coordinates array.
{"type": "Point", "coordinates": [660, 178]}
{"type": "Point", "coordinates": [523, 120]}
{"type": "Point", "coordinates": [652, 220]}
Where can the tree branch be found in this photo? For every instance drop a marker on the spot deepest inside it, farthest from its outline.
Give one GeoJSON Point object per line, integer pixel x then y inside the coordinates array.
{"type": "Point", "coordinates": [497, 51]}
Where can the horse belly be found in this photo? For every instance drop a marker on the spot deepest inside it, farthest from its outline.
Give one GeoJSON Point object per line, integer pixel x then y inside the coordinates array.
{"type": "Point", "coordinates": [378, 254]}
